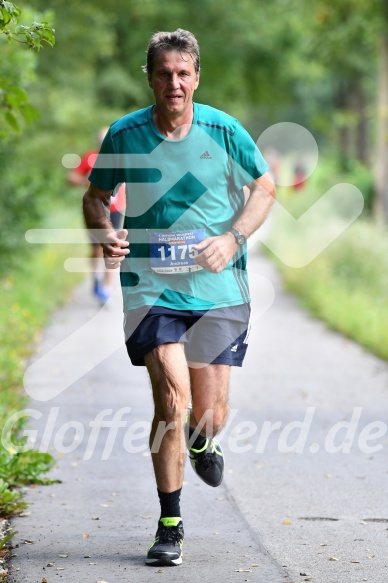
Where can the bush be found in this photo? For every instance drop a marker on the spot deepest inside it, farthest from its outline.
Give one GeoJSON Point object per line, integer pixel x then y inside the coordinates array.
{"type": "Point", "coordinates": [346, 285]}
{"type": "Point", "coordinates": [23, 311]}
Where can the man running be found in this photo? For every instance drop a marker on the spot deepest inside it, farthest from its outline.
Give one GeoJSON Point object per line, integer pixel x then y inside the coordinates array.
{"type": "Point", "coordinates": [196, 188]}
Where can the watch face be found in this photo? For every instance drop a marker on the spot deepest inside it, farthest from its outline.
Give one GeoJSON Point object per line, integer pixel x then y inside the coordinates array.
{"type": "Point", "coordinates": [240, 239]}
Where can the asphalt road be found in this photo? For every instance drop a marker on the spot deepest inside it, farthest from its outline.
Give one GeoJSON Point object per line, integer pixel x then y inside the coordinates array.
{"type": "Point", "coordinates": [302, 500]}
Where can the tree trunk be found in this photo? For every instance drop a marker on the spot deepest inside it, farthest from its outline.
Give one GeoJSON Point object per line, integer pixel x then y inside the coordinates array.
{"type": "Point", "coordinates": [381, 165]}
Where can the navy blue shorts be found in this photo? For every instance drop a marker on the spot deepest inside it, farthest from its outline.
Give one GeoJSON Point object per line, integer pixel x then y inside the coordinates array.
{"type": "Point", "coordinates": [218, 336]}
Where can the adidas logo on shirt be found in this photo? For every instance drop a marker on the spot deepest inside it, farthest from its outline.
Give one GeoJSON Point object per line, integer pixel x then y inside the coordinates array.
{"type": "Point", "coordinates": [206, 156]}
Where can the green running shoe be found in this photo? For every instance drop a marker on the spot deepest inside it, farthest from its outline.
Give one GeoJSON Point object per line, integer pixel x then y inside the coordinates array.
{"type": "Point", "coordinates": [166, 548]}
{"type": "Point", "coordinates": [208, 462]}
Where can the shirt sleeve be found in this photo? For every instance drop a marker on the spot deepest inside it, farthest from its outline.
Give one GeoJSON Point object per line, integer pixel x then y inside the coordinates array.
{"type": "Point", "coordinates": [105, 173]}
{"type": "Point", "coordinates": [247, 162]}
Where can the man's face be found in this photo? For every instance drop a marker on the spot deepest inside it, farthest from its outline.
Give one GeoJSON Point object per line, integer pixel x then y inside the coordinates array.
{"type": "Point", "coordinates": [173, 81]}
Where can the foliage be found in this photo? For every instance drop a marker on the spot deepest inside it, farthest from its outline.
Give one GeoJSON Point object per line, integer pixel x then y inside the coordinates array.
{"type": "Point", "coordinates": [6, 539]}
{"type": "Point", "coordinates": [346, 284]}
{"type": "Point", "coordinates": [263, 62]}
{"type": "Point", "coordinates": [23, 196]}
{"type": "Point", "coordinates": [14, 102]}
{"type": "Point", "coordinates": [11, 501]}
{"type": "Point", "coordinates": [23, 311]}
{"type": "Point", "coordinates": [327, 174]}
{"type": "Point", "coordinates": [24, 468]}
{"type": "Point", "coordinates": [33, 36]}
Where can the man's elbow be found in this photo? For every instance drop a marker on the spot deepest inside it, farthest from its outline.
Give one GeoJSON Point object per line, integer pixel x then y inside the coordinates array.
{"type": "Point", "coordinates": [272, 191]}
{"type": "Point", "coordinates": [270, 185]}
{"type": "Point", "coordinates": [266, 184]}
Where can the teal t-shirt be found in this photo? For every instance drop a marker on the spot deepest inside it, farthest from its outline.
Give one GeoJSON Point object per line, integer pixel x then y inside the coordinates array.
{"type": "Point", "coordinates": [178, 192]}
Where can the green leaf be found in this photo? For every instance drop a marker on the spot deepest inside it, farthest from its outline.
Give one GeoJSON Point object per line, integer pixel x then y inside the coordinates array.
{"type": "Point", "coordinates": [20, 29]}
{"type": "Point", "coordinates": [11, 8]}
{"type": "Point", "coordinates": [7, 538]}
{"type": "Point", "coordinates": [15, 96]}
{"type": "Point", "coordinates": [5, 17]}
{"type": "Point", "coordinates": [9, 12]}
{"type": "Point", "coordinates": [11, 119]}
{"type": "Point", "coordinates": [48, 35]}
{"type": "Point", "coordinates": [29, 113]}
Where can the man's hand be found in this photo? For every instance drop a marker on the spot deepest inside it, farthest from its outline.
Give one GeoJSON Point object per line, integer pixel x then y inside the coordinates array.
{"type": "Point", "coordinates": [115, 248]}
{"type": "Point", "coordinates": [216, 252]}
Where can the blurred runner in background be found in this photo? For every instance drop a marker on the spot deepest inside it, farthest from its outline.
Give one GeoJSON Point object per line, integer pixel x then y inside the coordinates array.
{"type": "Point", "coordinates": [102, 286]}
{"type": "Point", "coordinates": [299, 176]}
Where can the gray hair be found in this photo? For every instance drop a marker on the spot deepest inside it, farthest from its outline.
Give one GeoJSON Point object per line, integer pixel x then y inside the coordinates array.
{"type": "Point", "coordinates": [179, 40]}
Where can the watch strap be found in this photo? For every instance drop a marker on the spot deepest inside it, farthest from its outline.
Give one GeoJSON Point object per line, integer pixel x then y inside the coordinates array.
{"type": "Point", "coordinates": [239, 237]}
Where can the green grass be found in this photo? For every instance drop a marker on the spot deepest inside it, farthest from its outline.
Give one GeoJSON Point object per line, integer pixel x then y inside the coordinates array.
{"type": "Point", "coordinates": [29, 295]}
{"type": "Point", "coordinates": [346, 285]}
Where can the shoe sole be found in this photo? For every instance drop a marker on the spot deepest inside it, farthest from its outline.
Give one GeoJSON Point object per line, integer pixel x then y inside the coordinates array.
{"type": "Point", "coordinates": [164, 562]}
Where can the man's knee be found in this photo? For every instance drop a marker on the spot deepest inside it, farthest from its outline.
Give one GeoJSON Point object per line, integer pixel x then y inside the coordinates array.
{"type": "Point", "coordinates": [169, 379]}
{"type": "Point", "coordinates": [210, 421]}
{"type": "Point", "coordinates": [171, 406]}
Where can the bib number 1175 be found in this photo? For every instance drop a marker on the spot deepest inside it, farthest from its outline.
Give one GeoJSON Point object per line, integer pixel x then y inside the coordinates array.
{"type": "Point", "coordinates": [177, 252]}
{"type": "Point", "coordinates": [173, 252]}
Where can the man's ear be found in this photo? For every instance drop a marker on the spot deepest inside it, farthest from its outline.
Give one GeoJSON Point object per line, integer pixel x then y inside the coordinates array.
{"type": "Point", "coordinates": [149, 81]}
{"type": "Point", "coordinates": [197, 82]}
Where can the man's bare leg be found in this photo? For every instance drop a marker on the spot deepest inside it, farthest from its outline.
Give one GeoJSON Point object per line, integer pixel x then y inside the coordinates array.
{"type": "Point", "coordinates": [170, 381]}
{"type": "Point", "coordinates": [210, 394]}
{"type": "Point", "coordinates": [209, 387]}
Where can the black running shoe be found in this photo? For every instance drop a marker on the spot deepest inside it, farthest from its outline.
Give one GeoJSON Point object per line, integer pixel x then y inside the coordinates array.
{"type": "Point", "coordinates": [208, 462]}
{"type": "Point", "coordinates": [166, 549]}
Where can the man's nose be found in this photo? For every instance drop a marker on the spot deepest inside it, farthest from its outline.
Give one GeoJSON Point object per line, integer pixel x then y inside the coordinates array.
{"type": "Point", "coordinates": [174, 81]}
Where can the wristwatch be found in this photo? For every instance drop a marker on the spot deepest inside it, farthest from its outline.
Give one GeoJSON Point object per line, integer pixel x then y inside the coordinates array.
{"type": "Point", "coordinates": [239, 237]}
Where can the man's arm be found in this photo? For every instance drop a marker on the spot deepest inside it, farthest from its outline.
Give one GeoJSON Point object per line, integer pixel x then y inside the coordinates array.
{"type": "Point", "coordinates": [96, 203]}
{"type": "Point", "coordinates": [216, 252]}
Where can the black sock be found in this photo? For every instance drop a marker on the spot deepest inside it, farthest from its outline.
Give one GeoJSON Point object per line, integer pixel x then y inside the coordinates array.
{"type": "Point", "coordinates": [199, 441]}
{"type": "Point", "coordinates": [169, 503]}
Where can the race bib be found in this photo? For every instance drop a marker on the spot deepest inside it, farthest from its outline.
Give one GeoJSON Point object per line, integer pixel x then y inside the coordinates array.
{"type": "Point", "coordinates": [172, 253]}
